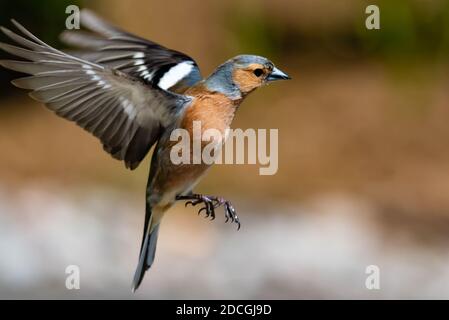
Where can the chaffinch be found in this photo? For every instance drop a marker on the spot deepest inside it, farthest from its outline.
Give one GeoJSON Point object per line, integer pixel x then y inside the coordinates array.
{"type": "Point", "coordinates": [131, 93]}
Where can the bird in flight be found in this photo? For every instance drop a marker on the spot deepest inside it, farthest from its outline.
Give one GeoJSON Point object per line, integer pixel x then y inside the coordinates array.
{"type": "Point", "coordinates": [131, 93]}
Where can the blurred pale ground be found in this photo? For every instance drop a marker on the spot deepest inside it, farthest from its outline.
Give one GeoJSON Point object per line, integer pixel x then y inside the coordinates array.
{"type": "Point", "coordinates": [363, 165]}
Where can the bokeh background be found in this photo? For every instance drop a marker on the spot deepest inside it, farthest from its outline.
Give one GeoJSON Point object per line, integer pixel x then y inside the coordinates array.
{"type": "Point", "coordinates": [363, 173]}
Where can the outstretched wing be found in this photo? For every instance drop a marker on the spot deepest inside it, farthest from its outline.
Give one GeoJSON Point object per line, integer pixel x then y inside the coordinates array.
{"type": "Point", "coordinates": [126, 114]}
{"type": "Point", "coordinates": [109, 46]}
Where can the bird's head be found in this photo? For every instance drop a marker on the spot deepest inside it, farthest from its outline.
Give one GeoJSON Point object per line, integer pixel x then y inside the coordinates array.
{"type": "Point", "coordinates": [242, 74]}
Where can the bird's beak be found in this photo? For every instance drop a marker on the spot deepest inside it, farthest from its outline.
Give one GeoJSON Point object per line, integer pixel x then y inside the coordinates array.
{"type": "Point", "coordinates": [277, 74]}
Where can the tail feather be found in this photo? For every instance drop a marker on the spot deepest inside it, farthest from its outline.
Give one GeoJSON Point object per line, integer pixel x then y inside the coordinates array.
{"type": "Point", "coordinates": [147, 252]}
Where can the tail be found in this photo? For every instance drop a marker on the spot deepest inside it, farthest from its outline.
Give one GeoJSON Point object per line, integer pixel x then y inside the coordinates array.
{"type": "Point", "coordinates": [147, 249]}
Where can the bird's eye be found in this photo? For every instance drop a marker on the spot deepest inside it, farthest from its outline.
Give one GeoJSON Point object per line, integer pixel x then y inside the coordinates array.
{"type": "Point", "coordinates": [258, 72]}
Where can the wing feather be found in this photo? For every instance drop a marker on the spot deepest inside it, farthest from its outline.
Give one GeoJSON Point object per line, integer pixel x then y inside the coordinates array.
{"type": "Point", "coordinates": [108, 45]}
{"type": "Point", "coordinates": [126, 114]}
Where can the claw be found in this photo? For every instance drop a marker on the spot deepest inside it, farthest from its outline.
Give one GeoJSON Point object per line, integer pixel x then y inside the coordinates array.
{"type": "Point", "coordinates": [237, 221]}
{"type": "Point", "coordinates": [211, 211]}
{"type": "Point", "coordinates": [230, 212]}
{"type": "Point", "coordinates": [212, 203]}
{"type": "Point", "coordinates": [204, 208]}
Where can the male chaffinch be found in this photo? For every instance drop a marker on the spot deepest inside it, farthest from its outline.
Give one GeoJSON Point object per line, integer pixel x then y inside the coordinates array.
{"type": "Point", "coordinates": [131, 93]}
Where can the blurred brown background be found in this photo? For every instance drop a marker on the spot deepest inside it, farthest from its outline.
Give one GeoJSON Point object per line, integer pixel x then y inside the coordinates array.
{"type": "Point", "coordinates": [363, 161]}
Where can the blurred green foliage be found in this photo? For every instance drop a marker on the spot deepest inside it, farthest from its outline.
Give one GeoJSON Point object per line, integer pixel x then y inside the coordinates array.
{"type": "Point", "coordinates": [45, 19]}
{"type": "Point", "coordinates": [253, 32]}
{"type": "Point", "coordinates": [409, 29]}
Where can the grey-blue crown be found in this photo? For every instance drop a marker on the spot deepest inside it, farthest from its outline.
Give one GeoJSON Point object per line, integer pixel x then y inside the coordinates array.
{"type": "Point", "coordinates": [247, 59]}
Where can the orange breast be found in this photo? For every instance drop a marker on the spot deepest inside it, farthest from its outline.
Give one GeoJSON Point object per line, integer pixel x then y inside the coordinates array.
{"type": "Point", "coordinates": [213, 110]}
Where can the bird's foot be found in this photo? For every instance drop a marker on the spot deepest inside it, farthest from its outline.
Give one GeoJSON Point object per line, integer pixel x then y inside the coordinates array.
{"type": "Point", "coordinates": [210, 204]}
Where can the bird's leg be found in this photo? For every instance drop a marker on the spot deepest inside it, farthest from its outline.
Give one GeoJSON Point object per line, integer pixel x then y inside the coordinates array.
{"type": "Point", "coordinates": [210, 204]}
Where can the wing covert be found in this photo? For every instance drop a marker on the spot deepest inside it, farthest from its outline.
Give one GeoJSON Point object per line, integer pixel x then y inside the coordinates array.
{"type": "Point", "coordinates": [110, 46]}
